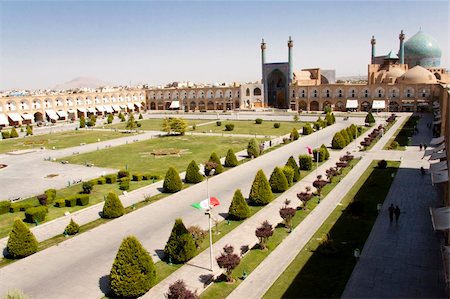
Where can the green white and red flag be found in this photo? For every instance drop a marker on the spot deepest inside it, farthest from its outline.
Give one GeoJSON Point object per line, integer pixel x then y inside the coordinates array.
{"type": "Point", "coordinates": [205, 205]}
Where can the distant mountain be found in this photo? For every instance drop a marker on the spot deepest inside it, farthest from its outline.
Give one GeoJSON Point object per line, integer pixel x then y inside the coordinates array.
{"type": "Point", "coordinates": [82, 82]}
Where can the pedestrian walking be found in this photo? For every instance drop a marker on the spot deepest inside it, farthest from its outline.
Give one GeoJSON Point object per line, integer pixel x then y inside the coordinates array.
{"type": "Point", "coordinates": [391, 213]}
{"type": "Point", "coordinates": [425, 147]}
{"type": "Point", "coordinates": [397, 213]}
{"type": "Point", "coordinates": [420, 146]}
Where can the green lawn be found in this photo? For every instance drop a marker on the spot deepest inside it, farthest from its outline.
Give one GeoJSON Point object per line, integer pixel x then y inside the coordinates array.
{"type": "Point", "coordinates": [313, 274]}
{"type": "Point", "coordinates": [154, 124]}
{"type": "Point", "coordinates": [140, 156]}
{"type": "Point", "coordinates": [57, 140]}
{"type": "Point", "coordinates": [96, 196]}
{"type": "Point", "coordinates": [403, 134]}
{"type": "Point", "coordinates": [250, 127]}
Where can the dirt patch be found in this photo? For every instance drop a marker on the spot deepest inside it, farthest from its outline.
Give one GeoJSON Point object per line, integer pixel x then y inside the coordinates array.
{"type": "Point", "coordinates": [52, 175]}
{"type": "Point", "coordinates": [165, 152]}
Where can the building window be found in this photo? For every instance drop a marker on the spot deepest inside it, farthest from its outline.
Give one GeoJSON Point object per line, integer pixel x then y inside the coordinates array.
{"type": "Point", "coordinates": [315, 93]}
{"type": "Point", "coordinates": [339, 93]}
{"type": "Point", "coordinates": [293, 93]}
{"type": "Point", "coordinates": [353, 93]}
{"type": "Point", "coordinates": [327, 93]}
{"type": "Point", "coordinates": [247, 92]}
{"type": "Point", "coordinates": [366, 93]}
{"type": "Point", "coordinates": [303, 93]}
{"type": "Point", "coordinates": [257, 91]}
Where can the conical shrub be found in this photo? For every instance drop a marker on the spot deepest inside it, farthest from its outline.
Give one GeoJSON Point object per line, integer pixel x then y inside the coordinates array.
{"type": "Point", "coordinates": [230, 159]}
{"type": "Point", "coordinates": [338, 141]}
{"type": "Point", "coordinates": [193, 175]}
{"type": "Point", "coordinates": [113, 207]}
{"type": "Point", "coordinates": [350, 134]}
{"type": "Point", "coordinates": [172, 181]}
{"type": "Point", "coordinates": [253, 149]}
{"type": "Point", "coordinates": [261, 193]}
{"type": "Point", "coordinates": [294, 134]}
{"type": "Point", "coordinates": [239, 208]}
{"type": "Point", "coordinates": [325, 151]}
{"type": "Point", "coordinates": [133, 272]}
{"type": "Point", "coordinates": [289, 174]}
{"type": "Point", "coordinates": [72, 228]}
{"type": "Point", "coordinates": [215, 159]}
{"type": "Point", "coordinates": [369, 119]}
{"type": "Point", "coordinates": [345, 136]}
{"type": "Point", "coordinates": [293, 164]}
{"type": "Point", "coordinates": [21, 241]}
{"type": "Point", "coordinates": [305, 162]}
{"type": "Point", "coordinates": [278, 181]}
{"type": "Point", "coordinates": [181, 245]}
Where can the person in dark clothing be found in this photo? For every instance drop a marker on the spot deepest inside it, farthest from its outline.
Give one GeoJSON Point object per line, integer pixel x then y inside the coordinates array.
{"type": "Point", "coordinates": [420, 146]}
{"type": "Point", "coordinates": [391, 212]}
{"type": "Point", "coordinates": [397, 213]}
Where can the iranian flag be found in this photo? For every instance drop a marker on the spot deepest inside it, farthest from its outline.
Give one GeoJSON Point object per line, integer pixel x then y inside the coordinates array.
{"type": "Point", "coordinates": [309, 150]}
{"type": "Point", "coordinates": [204, 205]}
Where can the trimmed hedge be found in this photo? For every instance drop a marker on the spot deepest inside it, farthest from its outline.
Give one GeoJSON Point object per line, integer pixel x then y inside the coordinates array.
{"type": "Point", "coordinates": [20, 206]}
{"type": "Point", "coordinates": [70, 201]}
{"type": "Point", "coordinates": [229, 127]}
{"type": "Point", "coordinates": [305, 162]}
{"type": "Point", "coordinates": [72, 228]}
{"type": "Point", "coordinates": [294, 134]}
{"type": "Point", "coordinates": [137, 177]}
{"type": "Point", "coordinates": [123, 174]}
{"type": "Point", "coordinates": [258, 121]}
{"type": "Point", "coordinates": [51, 195]}
{"type": "Point", "coordinates": [101, 181]}
{"type": "Point", "coordinates": [4, 206]}
{"type": "Point", "coordinates": [82, 199]}
{"type": "Point", "coordinates": [149, 176]}
{"type": "Point", "coordinates": [60, 203]}
{"type": "Point", "coordinates": [35, 214]}
{"type": "Point", "coordinates": [307, 129]}
{"type": "Point", "coordinates": [111, 179]}
{"type": "Point", "coordinates": [124, 185]}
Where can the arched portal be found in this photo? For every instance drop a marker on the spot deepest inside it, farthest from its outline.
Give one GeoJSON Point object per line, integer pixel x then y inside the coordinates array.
{"type": "Point", "coordinates": [277, 90]}
{"type": "Point", "coordinates": [302, 106]}
{"type": "Point", "coordinates": [152, 106]}
{"type": "Point", "coordinates": [314, 106]}
{"type": "Point", "coordinates": [38, 117]}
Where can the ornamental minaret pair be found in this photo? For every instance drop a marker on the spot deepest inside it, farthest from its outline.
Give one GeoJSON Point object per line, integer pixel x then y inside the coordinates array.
{"type": "Point", "coordinates": [401, 51]}
{"type": "Point", "coordinates": [263, 57]}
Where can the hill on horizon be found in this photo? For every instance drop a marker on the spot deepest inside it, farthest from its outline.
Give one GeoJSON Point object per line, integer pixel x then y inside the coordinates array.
{"type": "Point", "coordinates": [82, 82]}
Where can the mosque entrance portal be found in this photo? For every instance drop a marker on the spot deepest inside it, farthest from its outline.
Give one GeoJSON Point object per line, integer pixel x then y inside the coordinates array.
{"type": "Point", "coordinates": [277, 90]}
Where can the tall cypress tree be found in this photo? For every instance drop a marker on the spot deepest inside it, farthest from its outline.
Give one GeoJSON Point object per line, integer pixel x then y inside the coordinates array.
{"type": "Point", "coordinates": [293, 164]}
{"type": "Point", "coordinates": [261, 193]}
{"type": "Point", "coordinates": [181, 245]}
{"type": "Point", "coordinates": [231, 160]}
{"type": "Point", "coordinates": [215, 159]}
{"type": "Point", "coordinates": [21, 242]}
{"type": "Point", "coordinates": [133, 272]}
{"type": "Point", "coordinates": [193, 175]}
{"type": "Point", "coordinates": [113, 207]}
{"type": "Point", "coordinates": [239, 208]}
{"type": "Point", "coordinates": [172, 181]}
{"type": "Point", "coordinates": [278, 181]}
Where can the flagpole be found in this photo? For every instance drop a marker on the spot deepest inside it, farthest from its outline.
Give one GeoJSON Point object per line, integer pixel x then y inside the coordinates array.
{"type": "Point", "coordinates": [210, 233]}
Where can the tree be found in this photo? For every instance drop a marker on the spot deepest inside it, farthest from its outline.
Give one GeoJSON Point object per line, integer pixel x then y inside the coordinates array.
{"type": "Point", "coordinates": [29, 130]}
{"type": "Point", "coordinates": [181, 246]}
{"type": "Point", "coordinates": [369, 119]}
{"type": "Point", "coordinates": [82, 122]}
{"type": "Point", "coordinates": [329, 119]}
{"type": "Point", "coordinates": [354, 130]}
{"type": "Point", "coordinates": [176, 125]}
{"type": "Point", "coordinates": [293, 164]}
{"type": "Point", "coordinates": [178, 290]}
{"type": "Point", "coordinates": [263, 233]}
{"type": "Point", "coordinates": [287, 214]}
{"type": "Point", "coordinates": [215, 159]}
{"type": "Point", "coordinates": [305, 162]}
{"type": "Point", "coordinates": [87, 187]}
{"type": "Point", "coordinates": [92, 121]}
{"type": "Point", "coordinates": [172, 181]}
{"type": "Point", "coordinates": [289, 174]}
{"type": "Point", "coordinates": [325, 151]}
{"type": "Point", "coordinates": [193, 175]}
{"type": "Point", "coordinates": [307, 129]}
{"type": "Point", "coordinates": [133, 272]}
{"type": "Point", "coordinates": [198, 234]}
{"type": "Point", "coordinates": [334, 118]}
{"type": "Point", "coordinates": [110, 118]}
{"type": "Point", "coordinates": [338, 141]}
{"type": "Point", "coordinates": [239, 208]}
{"type": "Point", "coordinates": [231, 160]}
{"type": "Point", "coordinates": [72, 228]}
{"type": "Point", "coordinates": [21, 241]}
{"type": "Point", "coordinates": [14, 133]}
{"type": "Point", "coordinates": [140, 116]}
{"type": "Point", "coordinates": [253, 149]}
{"type": "Point", "coordinates": [345, 136]}
{"type": "Point", "coordinates": [260, 193]}
{"type": "Point", "coordinates": [228, 260]}
{"type": "Point", "coordinates": [294, 134]}
{"type": "Point", "coordinates": [113, 207]}
{"type": "Point", "coordinates": [296, 118]}
{"type": "Point", "coordinates": [131, 123]}
{"type": "Point", "coordinates": [278, 182]}
{"type": "Point", "coordinates": [350, 133]}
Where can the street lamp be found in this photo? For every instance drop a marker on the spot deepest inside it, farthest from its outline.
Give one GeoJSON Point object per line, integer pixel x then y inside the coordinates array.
{"type": "Point", "coordinates": [203, 171]}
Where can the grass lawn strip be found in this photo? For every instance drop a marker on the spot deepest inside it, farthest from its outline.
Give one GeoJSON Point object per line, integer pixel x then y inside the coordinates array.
{"type": "Point", "coordinates": [305, 277]}
{"type": "Point", "coordinates": [254, 257]}
{"type": "Point", "coordinates": [58, 140]}
{"type": "Point", "coordinates": [152, 124]}
{"type": "Point", "coordinates": [249, 127]}
{"type": "Point", "coordinates": [403, 133]}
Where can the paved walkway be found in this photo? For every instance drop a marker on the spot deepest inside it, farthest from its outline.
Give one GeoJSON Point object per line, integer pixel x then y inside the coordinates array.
{"type": "Point", "coordinates": [403, 260]}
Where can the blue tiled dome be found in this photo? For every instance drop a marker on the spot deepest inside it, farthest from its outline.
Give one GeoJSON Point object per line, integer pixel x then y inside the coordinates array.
{"type": "Point", "coordinates": [422, 49]}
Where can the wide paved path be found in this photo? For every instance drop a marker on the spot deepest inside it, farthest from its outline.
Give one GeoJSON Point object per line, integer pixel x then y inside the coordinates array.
{"type": "Point", "coordinates": [403, 260]}
{"type": "Point", "coordinates": [74, 268]}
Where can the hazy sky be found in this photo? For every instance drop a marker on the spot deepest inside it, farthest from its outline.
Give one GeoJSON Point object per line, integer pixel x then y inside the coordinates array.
{"type": "Point", "coordinates": [46, 43]}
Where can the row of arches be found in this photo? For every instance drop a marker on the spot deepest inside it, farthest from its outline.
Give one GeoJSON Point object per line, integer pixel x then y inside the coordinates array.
{"type": "Point", "coordinates": [59, 102]}
{"type": "Point", "coordinates": [193, 94]}
{"type": "Point", "coordinates": [196, 105]}
{"type": "Point", "coordinates": [379, 92]}
{"type": "Point", "coordinates": [394, 106]}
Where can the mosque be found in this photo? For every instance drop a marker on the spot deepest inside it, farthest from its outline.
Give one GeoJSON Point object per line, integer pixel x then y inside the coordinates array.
{"type": "Point", "coordinates": [408, 80]}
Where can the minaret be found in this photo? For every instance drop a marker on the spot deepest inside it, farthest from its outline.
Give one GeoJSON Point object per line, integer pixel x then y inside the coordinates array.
{"type": "Point", "coordinates": [373, 41]}
{"type": "Point", "coordinates": [401, 52]}
{"type": "Point", "coordinates": [263, 58]}
{"type": "Point", "coordinates": [291, 70]}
